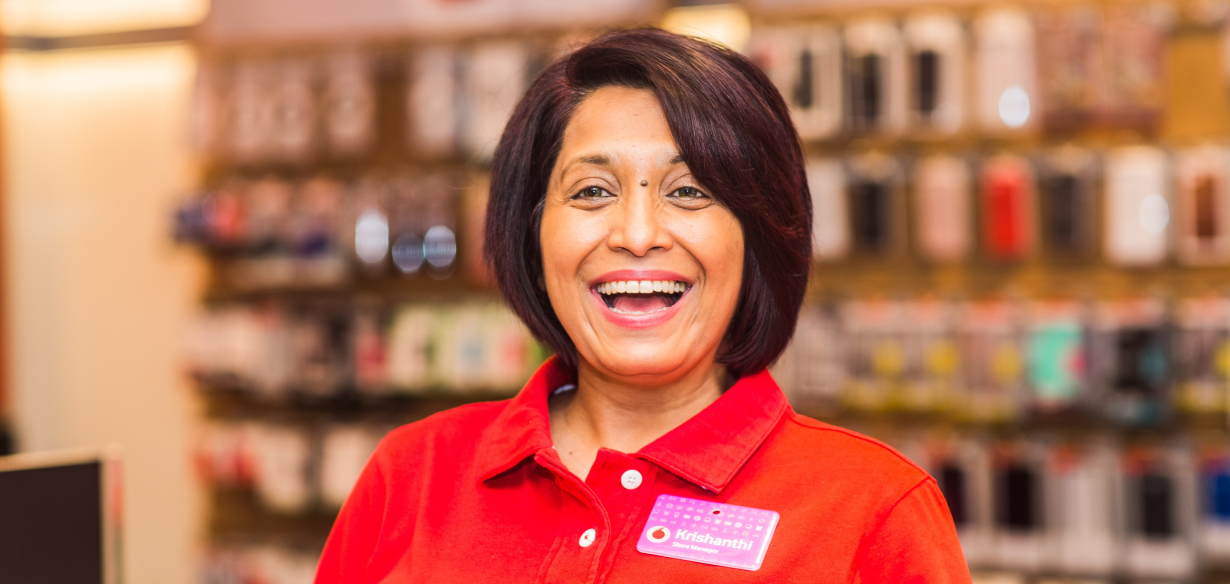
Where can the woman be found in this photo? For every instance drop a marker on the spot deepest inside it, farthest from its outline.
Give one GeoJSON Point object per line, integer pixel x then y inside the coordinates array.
{"type": "Point", "coordinates": [650, 221]}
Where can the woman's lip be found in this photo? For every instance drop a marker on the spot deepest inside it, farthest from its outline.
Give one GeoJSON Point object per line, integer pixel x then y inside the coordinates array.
{"type": "Point", "coordinates": [645, 320]}
{"type": "Point", "coordinates": [621, 275]}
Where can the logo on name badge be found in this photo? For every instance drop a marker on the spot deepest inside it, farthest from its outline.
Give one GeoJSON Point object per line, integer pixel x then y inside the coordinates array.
{"type": "Point", "coordinates": [698, 532]}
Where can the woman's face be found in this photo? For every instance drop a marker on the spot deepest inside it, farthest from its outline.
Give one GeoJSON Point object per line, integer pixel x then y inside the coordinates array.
{"type": "Point", "coordinates": [642, 265]}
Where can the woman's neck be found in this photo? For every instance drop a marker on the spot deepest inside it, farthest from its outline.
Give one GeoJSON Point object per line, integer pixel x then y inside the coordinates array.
{"type": "Point", "coordinates": [623, 415]}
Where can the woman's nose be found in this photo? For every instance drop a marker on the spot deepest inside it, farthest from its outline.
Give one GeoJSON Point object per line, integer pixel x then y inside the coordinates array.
{"type": "Point", "coordinates": [638, 228]}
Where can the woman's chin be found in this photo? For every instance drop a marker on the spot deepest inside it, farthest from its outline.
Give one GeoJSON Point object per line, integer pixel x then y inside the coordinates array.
{"type": "Point", "coordinates": [641, 360]}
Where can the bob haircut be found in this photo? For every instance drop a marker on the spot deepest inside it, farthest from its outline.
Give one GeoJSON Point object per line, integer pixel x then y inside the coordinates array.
{"type": "Point", "coordinates": [734, 132]}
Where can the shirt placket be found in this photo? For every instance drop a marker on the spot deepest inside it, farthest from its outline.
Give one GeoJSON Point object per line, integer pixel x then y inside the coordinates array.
{"type": "Point", "coordinates": [624, 485]}
{"type": "Point", "coordinates": [584, 531]}
{"type": "Point", "coordinates": [598, 515]}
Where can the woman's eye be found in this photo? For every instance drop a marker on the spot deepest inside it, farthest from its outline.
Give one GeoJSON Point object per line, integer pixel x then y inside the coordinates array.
{"type": "Point", "coordinates": [689, 193]}
{"type": "Point", "coordinates": [591, 193]}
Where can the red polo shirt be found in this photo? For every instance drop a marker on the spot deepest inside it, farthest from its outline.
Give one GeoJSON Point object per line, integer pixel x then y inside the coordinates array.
{"type": "Point", "coordinates": [478, 494]}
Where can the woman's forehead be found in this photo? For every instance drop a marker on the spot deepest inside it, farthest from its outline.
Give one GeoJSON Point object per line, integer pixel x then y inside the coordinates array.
{"type": "Point", "coordinates": [610, 158]}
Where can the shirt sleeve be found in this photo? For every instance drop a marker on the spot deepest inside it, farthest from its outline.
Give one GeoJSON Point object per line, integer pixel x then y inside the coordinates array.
{"type": "Point", "coordinates": [915, 542]}
{"type": "Point", "coordinates": [352, 542]}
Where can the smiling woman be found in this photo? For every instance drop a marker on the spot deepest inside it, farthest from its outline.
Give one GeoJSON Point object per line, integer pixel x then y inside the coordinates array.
{"type": "Point", "coordinates": [650, 221]}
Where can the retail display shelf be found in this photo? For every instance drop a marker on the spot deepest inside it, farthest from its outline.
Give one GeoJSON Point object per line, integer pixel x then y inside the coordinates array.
{"type": "Point", "coordinates": [224, 400]}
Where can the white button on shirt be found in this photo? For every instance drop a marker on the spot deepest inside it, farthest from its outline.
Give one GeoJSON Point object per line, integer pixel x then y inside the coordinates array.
{"type": "Point", "coordinates": [631, 479]}
{"type": "Point", "coordinates": [587, 538]}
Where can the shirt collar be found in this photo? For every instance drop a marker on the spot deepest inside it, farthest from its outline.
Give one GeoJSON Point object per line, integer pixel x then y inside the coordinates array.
{"type": "Point", "coordinates": [707, 450]}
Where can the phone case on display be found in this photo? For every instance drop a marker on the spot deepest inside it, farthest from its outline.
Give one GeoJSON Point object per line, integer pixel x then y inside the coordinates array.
{"type": "Point", "coordinates": [369, 351]}
{"type": "Point", "coordinates": [826, 179]}
{"type": "Point", "coordinates": [1202, 354]}
{"type": "Point", "coordinates": [874, 200]}
{"type": "Point", "coordinates": [875, 77]}
{"type": "Point", "coordinates": [493, 80]}
{"type": "Point", "coordinates": [1057, 354]}
{"type": "Point", "coordinates": [816, 370]}
{"type": "Point", "coordinates": [410, 339]}
{"type": "Point", "coordinates": [407, 225]}
{"type": "Point", "coordinates": [349, 103]}
{"type": "Point", "coordinates": [458, 345]}
{"type": "Point", "coordinates": [344, 451]}
{"type": "Point", "coordinates": [942, 208]}
{"type": "Point", "coordinates": [997, 577]}
{"type": "Point", "coordinates": [268, 354]}
{"type": "Point", "coordinates": [1020, 537]}
{"type": "Point", "coordinates": [1066, 207]}
{"type": "Point", "coordinates": [439, 197]}
{"type": "Point", "coordinates": [1005, 72]}
{"type": "Point", "coordinates": [1202, 206]}
{"type": "Point", "coordinates": [282, 458]}
{"type": "Point", "coordinates": [937, 55]}
{"type": "Point", "coordinates": [473, 221]}
{"type": "Point", "coordinates": [431, 103]}
{"type": "Point", "coordinates": [369, 200]}
{"type": "Point", "coordinates": [992, 352]}
{"type": "Point", "coordinates": [876, 353]}
{"type": "Point", "coordinates": [1130, 354]}
{"type": "Point", "coordinates": [514, 355]}
{"type": "Point", "coordinates": [932, 376]}
{"type": "Point", "coordinates": [266, 563]}
{"type": "Point", "coordinates": [1137, 216]}
{"type": "Point", "coordinates": [319, 352]}
{"type": "Point", "coordinates": [962, 469]}
{"type": "Point", "coordinates": [1072, 65]}
{"type": "Point", "coordinates": [1159, 497]}
{"type": "Point", "coordinates": [1007, 203]}
{"type": "Point", "coordinates": [1135, 38]}
{"type": "Point", "coordinates": [249, 118]}
{"type": "Point", "coordinates": [294, 118]}
{"type": "Point", "coordinates": [267, 209]}
{"type": "Point", "coordinates": [1215, 501]}
{"type": "Point", "coordinates": [1081, 515]}
{"type": "Point", "coordinates": [225, 217]}
{"type": "Point", "coordinates": [206, 113]}
{"type": "Point", "coordinates": [319, 231]}
{"type": "Point", "coordinates": [805, 63]}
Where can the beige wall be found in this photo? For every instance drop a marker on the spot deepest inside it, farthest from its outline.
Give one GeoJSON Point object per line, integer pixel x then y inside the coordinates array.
{"type": "Point", "coordinates": [95, 157]}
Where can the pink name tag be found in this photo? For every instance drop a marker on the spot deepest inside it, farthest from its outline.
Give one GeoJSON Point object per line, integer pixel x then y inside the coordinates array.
{"type": "Point", "coordinates": [708, 532]}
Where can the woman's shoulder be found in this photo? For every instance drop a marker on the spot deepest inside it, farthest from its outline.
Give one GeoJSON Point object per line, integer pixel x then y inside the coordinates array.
{"type": "Point", "coordinates": [456, 429]}
{"type": "Point", "coordinates": [832, 447]}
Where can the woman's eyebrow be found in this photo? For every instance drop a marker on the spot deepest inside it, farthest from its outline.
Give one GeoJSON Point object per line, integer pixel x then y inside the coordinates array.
{"type": "Point", "coordinates": [585, 159]}
{"type": "Point", "coordinates": [594, 159]}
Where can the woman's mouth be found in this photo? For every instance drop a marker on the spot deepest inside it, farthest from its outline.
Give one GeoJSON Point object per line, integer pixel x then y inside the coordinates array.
{"type": "Point", "coordinates": [640, 296]}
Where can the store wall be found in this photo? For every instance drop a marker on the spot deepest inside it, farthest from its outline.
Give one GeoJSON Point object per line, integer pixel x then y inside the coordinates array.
{"type": "Point", "coordinates": [95, 153]}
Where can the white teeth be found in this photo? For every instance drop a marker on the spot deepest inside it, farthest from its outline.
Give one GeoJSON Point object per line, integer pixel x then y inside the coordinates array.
{"type": "Point", "coordinates": [629, 312]}
{"type": "Point", "coordinates": [641, 287]}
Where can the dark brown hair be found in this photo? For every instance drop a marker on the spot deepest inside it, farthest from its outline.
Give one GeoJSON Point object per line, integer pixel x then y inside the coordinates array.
{"type": "Point", "coordinates": [733, 131]}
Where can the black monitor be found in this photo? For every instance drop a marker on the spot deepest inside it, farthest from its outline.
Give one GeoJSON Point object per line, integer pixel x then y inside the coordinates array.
{"type": "Point", "coordinates": [59, 517]}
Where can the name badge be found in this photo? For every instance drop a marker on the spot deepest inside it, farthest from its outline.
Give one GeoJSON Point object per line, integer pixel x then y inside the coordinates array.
{"type": "Point", "coordinates": [708, 532]}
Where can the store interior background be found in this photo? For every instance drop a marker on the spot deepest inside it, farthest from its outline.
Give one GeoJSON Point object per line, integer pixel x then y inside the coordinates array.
{"type": "Point", "coordinates": [247, 373]}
